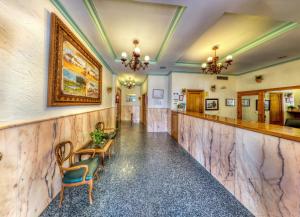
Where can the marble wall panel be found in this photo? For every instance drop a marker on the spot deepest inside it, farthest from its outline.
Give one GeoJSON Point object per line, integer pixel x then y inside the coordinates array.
{"type": "Point", "coordinates": [127, 110]}
{"type": "Point", "coordinates": [261, 171]}
{"type": "Point", "coordinates": [212, 145]}
{"type": "Point", "coordinates": [169, 121]}
{"type": "Point", "coordinates": [32, 177]}
{"type": "Point", "coordinates": [157, 120]}
{"type": "Point", "coordinates": [267, 175]}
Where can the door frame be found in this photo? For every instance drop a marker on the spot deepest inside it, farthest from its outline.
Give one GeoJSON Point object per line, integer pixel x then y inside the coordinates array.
{"type": "Point", "coordinates": [195, 90]}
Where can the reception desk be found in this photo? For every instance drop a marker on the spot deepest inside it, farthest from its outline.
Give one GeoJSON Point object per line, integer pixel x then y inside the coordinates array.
{"type": "Point", "coordinates": [258, 163]}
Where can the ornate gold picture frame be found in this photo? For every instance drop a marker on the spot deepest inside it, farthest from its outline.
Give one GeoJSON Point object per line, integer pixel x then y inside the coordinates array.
{"type": "Point", "coordinates": [75, 76]}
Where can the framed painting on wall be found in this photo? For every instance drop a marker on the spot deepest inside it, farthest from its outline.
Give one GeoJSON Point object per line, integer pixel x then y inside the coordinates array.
{"type": "Point", "coordinates": [230, 102]}
{"type": "Point", "coordinates": [211, 104]}
{"type": "Point", "coordinates": [158, 94]}
{"type": "Point", "coordinates": [246, 102]}
{"type": "Point", "coordinates": [267, 105]}
{"type": "Point", "coordinates": [75, 76]}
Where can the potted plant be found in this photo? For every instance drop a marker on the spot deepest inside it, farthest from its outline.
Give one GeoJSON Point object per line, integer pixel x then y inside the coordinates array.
{"type": "Point", "coordinates": [98, 137]}
{"type": "Point", "coordinates": [291, 107]}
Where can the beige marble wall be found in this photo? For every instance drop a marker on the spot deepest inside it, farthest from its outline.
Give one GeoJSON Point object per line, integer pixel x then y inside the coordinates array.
{"type": "Point", "coordinates": [127, 110]}
{"type": "Point", "coordinates": [267, 174]}
{"type": "Point", "coordinates": [157, 120]}
{"type": "Point", "coordinates": [169, 120]}
{"type": "Point", "coordinates": [261, 171]}
{"type": "Point", "coordinates": [31, 177]}
{"type": "Point", "coordinates": [212, 145]}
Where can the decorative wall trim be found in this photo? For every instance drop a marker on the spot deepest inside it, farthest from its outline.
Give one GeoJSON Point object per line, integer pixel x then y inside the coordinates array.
{"type": "Point", "coordinates": [83, 37]}
{"type": "Point", "coordinates": [32, 121]}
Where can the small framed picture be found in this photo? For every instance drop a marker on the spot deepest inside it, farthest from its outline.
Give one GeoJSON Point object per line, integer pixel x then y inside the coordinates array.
{"type": "Point", "coordinates": [229, 102]}
{"type": "Point", "coordinates": [180, 97]}
{"type": "Point", "coordinates": [211, 104]}
{"type": "Point", "coordinates": [158, 94]}
{"type": "Point", "coordinates": [267, 105]}
{"type": "Point", "coordinates": [246, 102]}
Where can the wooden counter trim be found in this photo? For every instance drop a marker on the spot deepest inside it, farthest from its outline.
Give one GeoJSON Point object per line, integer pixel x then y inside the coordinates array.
{"type": "Point", "coordinates": [288, 133]}
{"type": "Point", "coordinates": [11, 124]}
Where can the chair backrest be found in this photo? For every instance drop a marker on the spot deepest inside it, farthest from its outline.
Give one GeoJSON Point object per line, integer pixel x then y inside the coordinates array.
{"type": "Point", "coordinates": [100, 126]}
{"type": "Point", "coordinates": [64, 152]}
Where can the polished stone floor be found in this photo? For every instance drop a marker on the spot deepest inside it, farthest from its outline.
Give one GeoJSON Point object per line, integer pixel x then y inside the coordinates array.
{"type": "Point", "coordinates": [150, 175]}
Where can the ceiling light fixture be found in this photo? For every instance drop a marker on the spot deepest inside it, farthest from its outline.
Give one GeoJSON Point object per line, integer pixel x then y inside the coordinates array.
{"type": "Point", "coordinates": [135, 63]}
{"type": "Point", "coordinates": [129, 83]}
{"type": "Point", "coordinates": [213, 66]}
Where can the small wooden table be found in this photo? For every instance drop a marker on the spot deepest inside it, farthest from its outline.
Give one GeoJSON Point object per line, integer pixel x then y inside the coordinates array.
{"type": "Point", "coordinates": [101, 151]}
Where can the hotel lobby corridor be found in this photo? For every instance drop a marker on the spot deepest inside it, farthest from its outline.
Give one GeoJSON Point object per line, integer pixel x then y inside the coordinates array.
{"type": "Point", "coordinates": [149, 175]}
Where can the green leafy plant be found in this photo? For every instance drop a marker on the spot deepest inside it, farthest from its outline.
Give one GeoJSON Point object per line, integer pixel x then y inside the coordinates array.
{"type": "Point", "coordinates": [97, 136]}
{"type": "Point", "coordinates": [291, 107]}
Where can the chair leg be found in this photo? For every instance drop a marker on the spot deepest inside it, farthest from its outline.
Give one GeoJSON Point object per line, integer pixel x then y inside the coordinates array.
{"type": "Point", "coordinates": [90, 191]}
{"type": "Point", "coordinates": [103, 158]}
{"type": "Point", "coordinates": [61, 195]}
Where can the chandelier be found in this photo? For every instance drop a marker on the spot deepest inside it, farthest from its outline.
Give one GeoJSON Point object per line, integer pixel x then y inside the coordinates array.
{"type": "Point", "coordinates": [135, 63]}
{"type": "Point", "coordinates": [129, 83]}
{"type": "Point", "coordinates": [212, 66]}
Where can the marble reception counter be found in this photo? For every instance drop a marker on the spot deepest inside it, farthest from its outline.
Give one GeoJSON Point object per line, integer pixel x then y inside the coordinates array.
{"type": "Point", "coordinates": [259, 165]}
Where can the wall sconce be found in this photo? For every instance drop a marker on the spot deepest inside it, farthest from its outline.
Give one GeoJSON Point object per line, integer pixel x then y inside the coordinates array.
{"type": "Point", "coordinates": [213, 88]}
{"type": "Point", "coordinates": [109, 90]}
{"type": "Point", "coordinates": [259, 78]}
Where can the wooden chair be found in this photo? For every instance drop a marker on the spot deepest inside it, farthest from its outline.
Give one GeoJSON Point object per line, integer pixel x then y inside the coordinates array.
{"type": "Point", "coordinates": [76, 174]}
{"type": "Point", "coordinates": [110, 132]}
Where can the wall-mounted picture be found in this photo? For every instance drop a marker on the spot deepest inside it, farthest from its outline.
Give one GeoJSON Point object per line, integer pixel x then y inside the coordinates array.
{"type": "Point", "coordinates": [180, 97]}
{"type": "Point", "coordinates": [246, 102]}
{"type": "Point", "coordinates": [75, 76]}
{"type": "Point", "coordinates": [131, 98]}
{"type": "Point", "coordinates": [229, 102]}
{"type": "Point", "coordinates": [211, 104]}
{"type": "Point", "coordinates": [158, 93]}
{"type": "Point", "coordinates": [267, 105]}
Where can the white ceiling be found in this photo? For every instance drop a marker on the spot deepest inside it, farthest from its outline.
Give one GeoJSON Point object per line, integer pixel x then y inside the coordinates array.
{"type": "Point", "coordinates": [204, 23]}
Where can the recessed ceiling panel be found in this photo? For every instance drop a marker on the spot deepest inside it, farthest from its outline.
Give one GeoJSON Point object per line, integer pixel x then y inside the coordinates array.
{"type": "Point", "coordinates": [231, 32]}
{"type": "Point", "coordinates": [279, 50]}
{"type": "Point", "coordinates": [124, 21]}
{"type": "Point", "coordinates": [139, 78]}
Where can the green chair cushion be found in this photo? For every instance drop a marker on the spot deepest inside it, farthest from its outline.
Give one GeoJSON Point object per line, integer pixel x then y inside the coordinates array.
{"type": "Point", "coordinates": [76, 175]}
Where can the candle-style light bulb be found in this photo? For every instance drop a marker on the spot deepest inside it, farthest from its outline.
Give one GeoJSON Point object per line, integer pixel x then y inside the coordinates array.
{"type": "Point", "coordinates": [124, 55]}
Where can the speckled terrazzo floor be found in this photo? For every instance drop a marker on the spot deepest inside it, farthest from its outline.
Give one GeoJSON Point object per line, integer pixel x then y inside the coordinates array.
{"type": "Point", "coordinates": [150, 175]}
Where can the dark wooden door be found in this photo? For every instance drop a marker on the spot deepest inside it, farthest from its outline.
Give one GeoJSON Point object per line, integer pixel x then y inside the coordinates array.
{"type": "Point", "coordinates": [144, 109]}
{"type": "Point", "coordinates": [118, 102]}
{"type": "Point", "coordinates": [174, 125]}
{"type": "Point", "coordinates": [276, 108]}
{"type": "Point", "coordinates": [195, 101]}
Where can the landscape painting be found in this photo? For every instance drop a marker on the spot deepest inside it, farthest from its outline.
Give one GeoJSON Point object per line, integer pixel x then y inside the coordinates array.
{"type": "Point", "coordinates": [80, 77]}
{"type": "Point", "coordinates": [75, 75]}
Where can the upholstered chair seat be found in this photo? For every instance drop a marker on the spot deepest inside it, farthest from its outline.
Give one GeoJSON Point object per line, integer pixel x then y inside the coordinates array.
{"type": "Point", "coordinates": [77, 175]}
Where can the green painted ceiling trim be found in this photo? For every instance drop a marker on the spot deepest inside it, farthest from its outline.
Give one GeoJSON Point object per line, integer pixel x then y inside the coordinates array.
{"type": "Point", "coordinates": [171, 30]}
{"type": "Point", "coordinates": [94, 15]}
{"type": "Point", "coordinates": [274, 33]}
{"type": "Point", "coordinates": [188, 64]}
{"type": "Point", "coordinates": [76, 28]}
{"type": "Point", "coordinates": [188, 72]}
{"type": "Point", "coordinates": [270, 65]}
